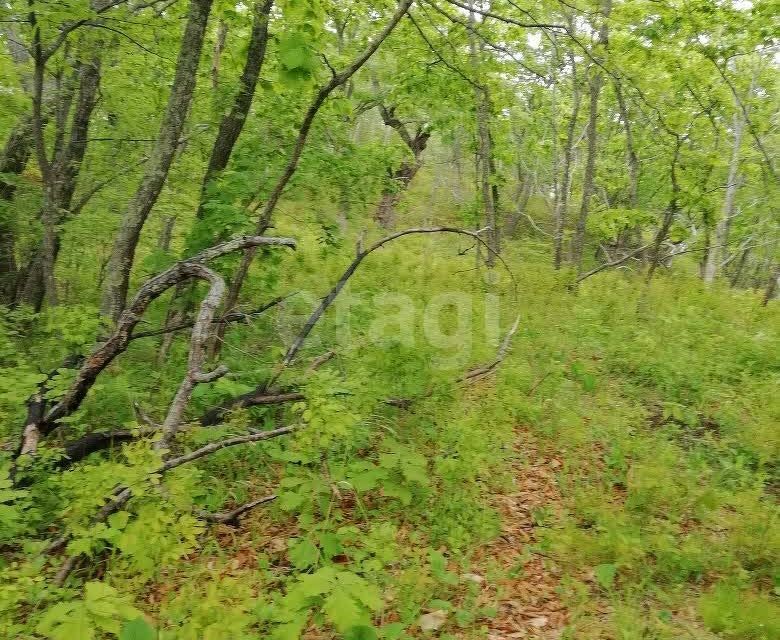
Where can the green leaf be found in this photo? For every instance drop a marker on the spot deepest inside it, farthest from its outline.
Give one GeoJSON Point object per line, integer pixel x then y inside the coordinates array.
{"type": "Point", "coordinates": [317, 583]}
{"type": "Point", "coordinates": [342, 610]}
{"type": "Point", "coordinates": [392, 631]}
{"type": "Point", "coordinates": [138, 629]}
{"type": "Point", "coordinates": [605, 575]}
{"type": "Point", "coordinates": [290, 500]}
{"type": "Point", "coordinates": [303, 554]}
{"type": "Point", "coordinates": [361, 632]}
{"type": "Point", "coordinates": [393, 490]}
{"type": "Point", "coordinates": [330, 545]}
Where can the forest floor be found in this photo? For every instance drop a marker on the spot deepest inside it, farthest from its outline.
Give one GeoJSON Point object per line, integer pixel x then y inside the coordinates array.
{"type": "Point", "coordinates": [529, 604]}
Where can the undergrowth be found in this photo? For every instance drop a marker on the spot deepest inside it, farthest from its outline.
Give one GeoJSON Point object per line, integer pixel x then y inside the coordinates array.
{"type": "Point", "coordinates": [661, 402]}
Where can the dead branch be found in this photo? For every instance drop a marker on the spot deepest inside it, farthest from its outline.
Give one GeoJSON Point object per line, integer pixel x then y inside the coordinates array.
{"type": "Point", "coordinates": [320, 360]}
{"type": "Point", "coordinates": [233, 316]}
{"type": "Point", "coordinates": [254, 398]}
{"type": "Point", "coordinates": [117, 342]}
{"type": "Point", "coordinates": [77, 450]}
{"type": "Point", "coordinates": [122, 495]}
{"type": "Point", "coordinates": [614, 263]}
{"type": "Point", "coordinates": [197, 355]}
{"type": "Point", "coordinates": [328, 299]}
{"type": "Point", "coordinates": [231, 517]}
{"type": "Point", "coordinates": [503, 349]}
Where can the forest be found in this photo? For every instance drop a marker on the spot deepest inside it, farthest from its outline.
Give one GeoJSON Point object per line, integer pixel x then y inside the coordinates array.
{"type": "Point", "coordinates": [389, 319]}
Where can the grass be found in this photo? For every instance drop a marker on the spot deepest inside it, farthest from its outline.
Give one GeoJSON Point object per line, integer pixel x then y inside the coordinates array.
{"type": "Point", "coordinates": [658, 405]}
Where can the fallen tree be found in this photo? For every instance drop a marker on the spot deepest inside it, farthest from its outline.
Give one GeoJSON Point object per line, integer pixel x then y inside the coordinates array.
{"type": "Point", "coordinates": [162, 437]}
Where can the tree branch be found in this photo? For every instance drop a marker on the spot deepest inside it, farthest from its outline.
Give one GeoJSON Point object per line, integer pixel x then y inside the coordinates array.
{"type": "Point", "coordinates": [614, 263]}
{"type": "Point", "coordinates": [118, 341]}
{"type": "Point", "coordinates": [231, 517]}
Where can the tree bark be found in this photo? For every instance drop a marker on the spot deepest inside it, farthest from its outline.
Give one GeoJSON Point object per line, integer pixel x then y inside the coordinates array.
{"type": "Point", "coordinates": [486, 164]}
{"type": "Point", "coordinates": [123, 252]}
{"type": "Point", "coordinates": [716, 256]}
{"type": "Point", "coordinates": [588, 185]}
{"type": "Point", "coordinates": [60, 181]}
{"type": "Point", "coordinates": [562, 202]}
{"type": "Point", "coordinates": [15, 156]}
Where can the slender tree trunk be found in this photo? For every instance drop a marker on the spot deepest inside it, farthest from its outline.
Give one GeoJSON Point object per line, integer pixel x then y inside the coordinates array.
{"type": "Point", "coordinates": [525, 189]}
{"type": "Point", "coordinates": [486, 165]}
{"type": "Point", "coordinates": [740, 267]}
{"type": "Point", "coordinates": [717, 255]}
{"type": "Point", "coordinates": [16, 154]}
{"type": "Point", "coordinates": [264, 220]}
{"type": "Point", "coordinates": [588, 182]}
{"type": "Point", "coordinates": [564, 189]}
{"type": "Point", "coordinates": [632, 165]}
{"type": "Point", "coordinates": [60, 181]}
{"type": "Point", "coordinates": [216, 60]}
{"type": "Point", "coordinates": [401, 178]}
{"type": "Point", "coordinates": [123, 252]}
{"type": "Point", "coordinates": [669, 214]}
{"type": "Point", "coordinates": [772, 286]}
{"type": "Point", "coordinates": [232, 123]}
{"type": "Point", "coordinates": [588, 185]}
{"type": "Point", "coordinates": [230, 128]}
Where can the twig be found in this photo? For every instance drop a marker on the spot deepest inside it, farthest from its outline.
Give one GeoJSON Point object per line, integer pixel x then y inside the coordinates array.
{"type": "Point", "coordinates": [614, 263]}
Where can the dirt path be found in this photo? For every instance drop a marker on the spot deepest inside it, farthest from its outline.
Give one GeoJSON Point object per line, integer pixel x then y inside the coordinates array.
{"type": "Point", "coordinates": [530, 606]}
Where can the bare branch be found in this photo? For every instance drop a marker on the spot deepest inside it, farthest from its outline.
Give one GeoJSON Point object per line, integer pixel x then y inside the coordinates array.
{"type": "Point", "coordinates": [614, 263]}
{"type": "Point", "coordinates": [197, 355]}
{"type": "Point", "coordinates": [117, 342]}
{"type": "Point", "coordinates": [233, 316]}
{"type": "Point", "coordinates": [255, 398]}
{"type": "Point", "coordinates": [122, 495]}
{"type": "Point", "coordinates": [503, 349]}
{"type": "Point", "coordinates": [517, 23]}
{"type": "Point", "coordinates": [328, 299]}
{"type": "Point", "coordinates": [231, 517]}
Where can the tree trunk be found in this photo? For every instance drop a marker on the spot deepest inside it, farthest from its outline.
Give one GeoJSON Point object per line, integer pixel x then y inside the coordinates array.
{"type": "Point", "coordinates": [740, 267]}
{"type": "Point", "coordinates": [588, 185]}
{"type": "Point", "coordinates": [772, 285]}
{"type": "Point", "coordinates": [486, 165]}
{"type": "Point", "coordinates": [60, 183]}
{"type": "Point", "coordinates": [632, 165]}
{"type": "Point", "coordinates": [403, 176]}
{"type": "Point", "coordinates": [719, 253]}
{"type": "Point", "coordinates": [562, 200]}
{"type": "Point", "coordinates": [525, 189]}
{"type": "Point", "coordinates": [264, 221]}
{"type": "Point", "coordinates": [669, 214]}
{"type": "Point", "coordinates": [123, 252]}
{"type": "Point", "coordinates": [230, 128]}
{"type": "Point", "coordinates": [232, 123]}
{"type": "Point", "coordinates": [216, 60]}
{"type": "Point", "coordinates": [15, 156]}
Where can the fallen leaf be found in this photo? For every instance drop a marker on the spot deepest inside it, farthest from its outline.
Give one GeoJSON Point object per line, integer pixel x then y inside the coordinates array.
{"type": "Point", "coordinates": [433, 620]}
{"type": "Point", "coordinates": [539, 622]}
